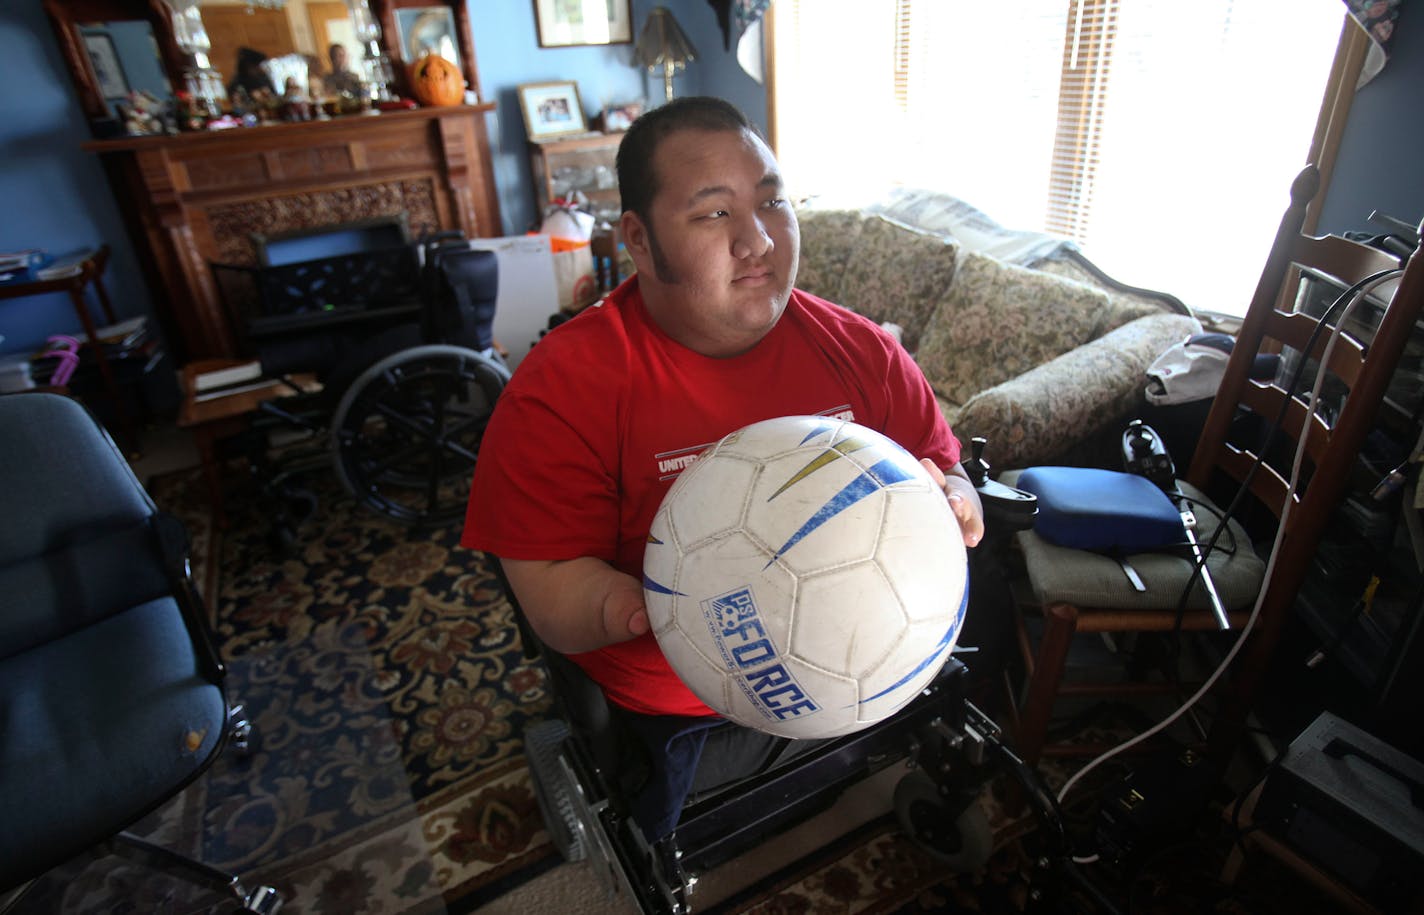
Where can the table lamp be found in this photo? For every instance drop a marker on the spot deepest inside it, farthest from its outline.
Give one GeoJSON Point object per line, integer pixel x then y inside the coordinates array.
{"type": "Point", "coordinates": [663, 44]}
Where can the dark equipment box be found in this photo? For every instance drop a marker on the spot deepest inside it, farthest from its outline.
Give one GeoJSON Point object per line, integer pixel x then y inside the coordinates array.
{"type": "Point", "coordinates": [1353, 805]}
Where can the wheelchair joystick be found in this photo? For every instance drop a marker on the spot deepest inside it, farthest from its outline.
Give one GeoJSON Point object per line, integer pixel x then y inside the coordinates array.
{"type": "Point", "coordinates": [976, 466]}
{"type": "Point", "coordinates": [1144, 454]}
{"type": "Point", "coordinates": [1006, 509]}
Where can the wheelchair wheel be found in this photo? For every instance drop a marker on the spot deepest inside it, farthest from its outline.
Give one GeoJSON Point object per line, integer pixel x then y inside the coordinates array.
{"type": "Point", "coordinates": [542, 743]}
{"type": "Point", "coordinates": [406, 434]}
{"type": "Point", "coordinates": [960, 838]}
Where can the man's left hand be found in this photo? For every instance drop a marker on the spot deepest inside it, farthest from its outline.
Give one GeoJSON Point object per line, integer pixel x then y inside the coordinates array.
{"type": "Point", "coordinates": [963, 500]}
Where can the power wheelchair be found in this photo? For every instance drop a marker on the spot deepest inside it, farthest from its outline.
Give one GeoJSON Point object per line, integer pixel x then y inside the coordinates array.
{"type": "Point", "coordinates": [400, 337]}
{"type": "Point", "coordinates": [584, 764]}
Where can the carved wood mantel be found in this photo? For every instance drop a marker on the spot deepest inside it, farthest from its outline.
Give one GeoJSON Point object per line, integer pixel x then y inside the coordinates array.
{"type": "Point", "coordinates": [195, 199]}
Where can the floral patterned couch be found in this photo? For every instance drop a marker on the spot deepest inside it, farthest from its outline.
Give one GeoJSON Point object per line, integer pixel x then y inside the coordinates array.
{"type": "Point", "coordinates": [1040, 364]}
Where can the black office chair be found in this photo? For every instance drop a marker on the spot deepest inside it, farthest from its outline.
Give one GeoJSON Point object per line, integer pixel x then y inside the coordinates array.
{"type": "Point", "coordinates": [111, 692]}
{"type": "Point", "coordinates": [585, 767]}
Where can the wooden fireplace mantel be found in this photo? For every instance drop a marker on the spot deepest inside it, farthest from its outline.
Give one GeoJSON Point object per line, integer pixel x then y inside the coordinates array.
{"type": "Point", "coordinates": [200, 198]}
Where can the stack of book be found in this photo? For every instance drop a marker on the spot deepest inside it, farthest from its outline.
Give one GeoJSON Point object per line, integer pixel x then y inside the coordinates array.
{"type": "Point", "coordinates": [233, 380]}
{"type": "Point", "coordinates": [20, 266]}
{"type": "Point", "coordinates": [66, 265]}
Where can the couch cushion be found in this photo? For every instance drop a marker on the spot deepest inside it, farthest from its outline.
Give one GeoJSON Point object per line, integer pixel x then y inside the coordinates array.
{"type": "Point", "coordinates": [998, 321]}
{"type": "Point", "coordinates": [898, 274]}
{"type": "Point", "coordinates": [1127, 302]}
{"type": "Point", "coordinates": [828, 242]}
{"type": "Point", "coordinates": [1044, 412]}
{"type": "Point", "coordinates": [875, 267]}
{"type": "Point", "coordinates": [951, 412]}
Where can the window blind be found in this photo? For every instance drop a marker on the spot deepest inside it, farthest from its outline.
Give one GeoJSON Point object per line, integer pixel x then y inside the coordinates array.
{"type": "Point", "coordinates": [1159, 136]}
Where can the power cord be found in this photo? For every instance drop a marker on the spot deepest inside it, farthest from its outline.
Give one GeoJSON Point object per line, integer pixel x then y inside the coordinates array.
{"type": "Point", "coordinates": [1360, 291]}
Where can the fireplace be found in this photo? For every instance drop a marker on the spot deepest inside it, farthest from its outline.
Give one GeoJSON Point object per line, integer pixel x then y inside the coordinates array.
{"type": "Point", "coordinates": [194, 200]}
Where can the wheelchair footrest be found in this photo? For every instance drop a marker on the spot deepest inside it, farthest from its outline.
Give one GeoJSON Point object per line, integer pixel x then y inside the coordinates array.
{"type": "Point", "coordinates": [543, 743]}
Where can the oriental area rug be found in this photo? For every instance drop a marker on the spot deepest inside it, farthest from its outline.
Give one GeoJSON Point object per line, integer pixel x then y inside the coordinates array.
{"type": "Point", "coordinates": [382, 670]}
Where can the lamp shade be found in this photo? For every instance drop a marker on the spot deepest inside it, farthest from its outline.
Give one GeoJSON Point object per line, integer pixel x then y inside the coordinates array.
{"type": "Point", "coordinates": [662, 43]}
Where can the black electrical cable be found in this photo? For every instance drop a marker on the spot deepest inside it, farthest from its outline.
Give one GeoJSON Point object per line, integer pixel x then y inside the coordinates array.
{"type": "Point", "coordinates": [1174, 640]}
{"type": "Point", "coordinates": [1268, 440]}
{"type": "Point", "coordinates": [1231, 509]}
{"type": "Point", "coordinates": [1325, 651]}
{"type": "Point", "coordinates": [1238, 833]}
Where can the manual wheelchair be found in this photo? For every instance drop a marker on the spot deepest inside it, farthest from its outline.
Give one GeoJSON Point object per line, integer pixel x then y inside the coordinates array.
{"type": "Point", "coordinates": [400, 337]}
{"type": "Point", "coordinates": [585, 765]}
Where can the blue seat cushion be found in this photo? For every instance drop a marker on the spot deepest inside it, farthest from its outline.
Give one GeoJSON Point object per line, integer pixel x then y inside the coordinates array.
{"type": "Point", "coordinates": [100, 727]}
{"type": "Point", "coordinates": [1086, 508]}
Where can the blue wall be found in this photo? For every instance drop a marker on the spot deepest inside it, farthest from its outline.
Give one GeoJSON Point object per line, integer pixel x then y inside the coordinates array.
{"type": "Point", "coordinates": [52, 193]}
{"type": "Point", "coordinates": [55, 196]}
{"type": "Point", "coordinates": [1378, 166]}
{"type": "Point", "coordinates": [508, 53]}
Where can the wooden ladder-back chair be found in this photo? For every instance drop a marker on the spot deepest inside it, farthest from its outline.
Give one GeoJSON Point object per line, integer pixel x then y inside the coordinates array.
{"type": "Point", "coordinates": [1227, 455]}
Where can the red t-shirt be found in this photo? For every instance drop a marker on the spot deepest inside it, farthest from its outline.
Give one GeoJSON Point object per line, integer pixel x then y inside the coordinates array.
{"type": "Point", "coordinates": [606, 410]}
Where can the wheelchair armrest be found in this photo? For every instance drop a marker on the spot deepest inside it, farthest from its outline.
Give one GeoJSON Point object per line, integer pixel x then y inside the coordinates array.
{"type": "Point", "coordinates": [1006, 509]}
{"type": "Point", "coordinates": [583, 704]}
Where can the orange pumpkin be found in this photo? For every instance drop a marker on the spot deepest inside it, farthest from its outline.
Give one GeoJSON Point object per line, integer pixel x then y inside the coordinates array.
{"type": "Point", "coordinates": [436, 81]}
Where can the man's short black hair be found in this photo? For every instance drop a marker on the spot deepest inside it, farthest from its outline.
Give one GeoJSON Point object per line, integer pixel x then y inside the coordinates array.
{"type": "Point", "coordinates": [637, 181]}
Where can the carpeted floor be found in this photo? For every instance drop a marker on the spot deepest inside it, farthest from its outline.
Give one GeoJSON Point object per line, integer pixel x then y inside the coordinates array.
{"type": "Point", "coordinates": [383, 673]}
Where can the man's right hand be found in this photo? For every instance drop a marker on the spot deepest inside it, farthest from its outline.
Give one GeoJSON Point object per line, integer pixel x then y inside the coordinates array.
{"type": "Point", "coordinates": [578, 605]}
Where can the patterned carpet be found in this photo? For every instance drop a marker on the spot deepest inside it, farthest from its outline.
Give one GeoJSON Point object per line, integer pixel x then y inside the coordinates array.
{"type": "Point", "coordinates": [384, 676]}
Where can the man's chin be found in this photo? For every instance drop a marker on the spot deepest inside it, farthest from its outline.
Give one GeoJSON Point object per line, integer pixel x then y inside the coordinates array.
{"type": "Point", "coordinates": [761, 316]}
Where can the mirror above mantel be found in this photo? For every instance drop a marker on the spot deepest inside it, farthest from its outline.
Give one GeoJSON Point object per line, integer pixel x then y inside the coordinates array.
{"type": "Point", "coordinates": [109, 46]}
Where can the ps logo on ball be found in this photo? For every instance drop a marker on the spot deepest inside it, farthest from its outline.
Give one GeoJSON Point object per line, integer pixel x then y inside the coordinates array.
{"type": "Point", "coordinates": [750, 656]}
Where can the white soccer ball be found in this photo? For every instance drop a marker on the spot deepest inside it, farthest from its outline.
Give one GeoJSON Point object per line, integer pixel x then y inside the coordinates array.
{"type": "Point", "coordinates": [805, 577]}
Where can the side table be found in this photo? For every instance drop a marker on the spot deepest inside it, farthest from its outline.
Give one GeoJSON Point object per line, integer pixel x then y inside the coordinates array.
{"type": "Point", "coordinates": [90, 272]}
{"type": "Point", "coordinates": [213, 418]}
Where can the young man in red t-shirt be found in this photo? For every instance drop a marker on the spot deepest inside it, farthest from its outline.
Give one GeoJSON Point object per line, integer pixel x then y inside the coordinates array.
{"type": "Point", "coordinates": [707, 336]}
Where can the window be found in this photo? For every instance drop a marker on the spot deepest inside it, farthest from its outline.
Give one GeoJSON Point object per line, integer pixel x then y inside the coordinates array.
{"type": "Point", "coordinates": [1160, 136]}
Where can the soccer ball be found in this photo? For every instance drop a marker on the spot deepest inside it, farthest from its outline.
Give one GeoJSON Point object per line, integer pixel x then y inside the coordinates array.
{"type": "Point", "coordinates": [805, 577]}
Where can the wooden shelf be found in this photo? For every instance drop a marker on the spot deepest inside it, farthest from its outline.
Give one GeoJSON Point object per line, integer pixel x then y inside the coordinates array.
{"type": "Point", "coordinates": [585, 164]}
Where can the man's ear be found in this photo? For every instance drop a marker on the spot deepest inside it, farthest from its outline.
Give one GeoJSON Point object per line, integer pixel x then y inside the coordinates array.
{"type": "Point", "coordinates": [635, 239]}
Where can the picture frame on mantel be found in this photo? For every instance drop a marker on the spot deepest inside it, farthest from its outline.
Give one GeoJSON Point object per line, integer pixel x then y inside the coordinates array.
{"type": "Point", "coordinates": [561, 24]}
{"type": "Point", "coordinates": [552, 110]}
{"type": "Point", "coordinates": [428, 29]}
{"type": "Point", "coordinates": [108, 72]}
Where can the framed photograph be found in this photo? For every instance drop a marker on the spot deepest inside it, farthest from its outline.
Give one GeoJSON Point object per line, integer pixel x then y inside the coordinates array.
{"type": "Point", "coordinates": [428, 29]}
{"type": "Point", "coordinates": [551, 110]}
{"type": "Point", "coordinates": [618, 118]}
{"type": "Point", "coordinates": [108, 72]}
{"type": "Point", "coordinates": [570, 23]}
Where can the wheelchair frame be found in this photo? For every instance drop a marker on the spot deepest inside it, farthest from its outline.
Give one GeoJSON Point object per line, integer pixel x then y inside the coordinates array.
{"type": "Point", "coordinates": [951, 747]}
{"type": "Point", "coordinates": [409, 368]}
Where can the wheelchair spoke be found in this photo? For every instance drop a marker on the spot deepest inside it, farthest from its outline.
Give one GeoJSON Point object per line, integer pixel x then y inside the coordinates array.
{"type": "Point", "coordinates": [409, 440]}
{"type": "Point", "coordinates": [432, 479]}
{"type": "Point", "coordinates": [399, 419]}
{"type": "Point", "coordinates": [379, 468]}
